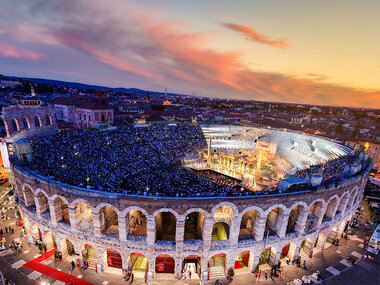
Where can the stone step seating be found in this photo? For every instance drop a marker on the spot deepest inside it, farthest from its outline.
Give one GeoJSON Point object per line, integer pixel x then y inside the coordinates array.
{"type": "Point", "coordinates": [217, 268]}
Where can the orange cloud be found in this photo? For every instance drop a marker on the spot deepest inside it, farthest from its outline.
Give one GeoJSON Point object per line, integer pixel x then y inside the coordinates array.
{"type": "Point", "coordinates": [254, 36]}
{"type": "Point", "coordinates": [7, 50]}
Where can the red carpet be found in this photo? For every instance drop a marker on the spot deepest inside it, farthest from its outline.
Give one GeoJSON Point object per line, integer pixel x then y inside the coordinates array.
{"type": "Point", "coordinates": [36, 265]}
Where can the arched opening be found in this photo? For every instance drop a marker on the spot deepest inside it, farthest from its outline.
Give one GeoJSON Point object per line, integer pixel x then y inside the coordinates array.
{"type": "Point", "coordinates": [15, 127]}
{"type": "Point", "coordinates": [61, 211]}
{"type": "Point", "coordinates": [165, 264]}
{"type": "Point", "coordinates": [315, 213]}
{"type": "Point", "coordinates": [43, 205]}
{"type": "Point", "coordinates": [224, 214]}
{"type": "Point", "coordinates": [3, 128]}
{"type": "Point", "coordinates": [37, 122]}
{"type": "Point", "coordinates": [28, 198]}
{"type": "Point", "coordinates": [50, 242]}
{"type": "Point", "coordinates": [343, 203]}
{"type": "Point", "coordinates": [109, 223]}
{"type": "Point", "coordinates": [274, 221]}
{"type": "Point", "coordinates": [138, 263]}
{"type": "Point", "coordinates": [294, 222]}
{"type": "Point", "coordinates": [267, 258]}
{"type": "Point", "coordinates": [306, 250]}
{"type": "Point", "coordinates": [331, 238]}
{"type": "Point", "coordinates": [165, 226]}
{"type": "Point", "coordinates": [113, 259]}
{"type": "Point", "coordinates": [220, 231]}
{"type": "Point", "coordinates": [83, 217]}
{"type": "Point", "coordinates": [37, 235]}
{"type": "Point", "coordinates": [331, 209]}
{"type": "Point", "coordinates": [137, 223]}
{"type": "Point", "coordinates": [247, 225]}
{"type": "Point", "coordinates": [244, 260]}
{"type": "Point", "coordinates": [191, 267]}
{"type": "Point", "coordinates": [217, 266]}
{"type": "Point", "coordinates": [19, 191]}
{"type": "Point", "coordinates": [289, 250]}
{"type": "Point", "coordinates": [67, 249]}
{"type": "Point", "coordinates": [25, 123]}
{"type": "Point", "coordinates": [89, 253]}
{"type": "Point", "coordinates": [48, 120]}
{"type": "Point", "coordinates": [194, 226]}
{"type": "Point", "coordinates": [320, 243]}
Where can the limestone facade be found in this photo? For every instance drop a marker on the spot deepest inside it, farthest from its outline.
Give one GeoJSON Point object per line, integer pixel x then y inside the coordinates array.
{"type": "Point", "coordinates": [273, 221]}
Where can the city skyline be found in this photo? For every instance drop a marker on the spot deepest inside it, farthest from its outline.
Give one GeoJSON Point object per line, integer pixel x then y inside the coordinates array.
{"type": "Point", "coordinates": [311, 53]}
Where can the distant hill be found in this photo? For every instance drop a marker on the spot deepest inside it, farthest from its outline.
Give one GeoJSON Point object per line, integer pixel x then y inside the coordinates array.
{"type": "Point", "coordinates": [87, 86]}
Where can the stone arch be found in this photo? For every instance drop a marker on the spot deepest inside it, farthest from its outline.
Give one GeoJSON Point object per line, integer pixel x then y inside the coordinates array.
{"type": "Point", "coordinates": [296, 218]}
{"type": "Point", "coordinates": [37, 122]}
{"type": "Point", "coordinates": [136, 208]}
{"type": "Point", "coordinates": [90, 254]}
{"type": "Point", "coordinates": [217, 264]}
{"type": "Point", "coordinates": [164, 263]}
{"type": "Point", "coordinates": [250, 223]}
{"type": "Point", "coordinates": [138, 264]}
{"type": "Point", "coordinates": [194, 222]}
{"type": "Point", "coordinates": [232, 205]}
{"type": "Point", "coordinates": [268, 256]}
{"type": "Point", "coordinates": [191, 263]}
{"type": "Point", "coordinates": [306, 249]}
{"type": "Point", "coordinates": [15, 125]}
{"type": "Point", "coordinates": [36, 232]}
{"type": "Point", "coordinates": [166, 224]}
{"type": "Point", "coordinates": [112, 258]}
{"type": "Point", "coordinates": [316, 212]}
{"type": "Point", "coordinates": [276, 219]}
{"type": "Point", "coordinates": [244, 260]}
{"type": "Point", "coordinates": [19, 189]}
{"type": "Point", "coordinates": [108, 218]}
{"type": "Point", "coordinates": [50, 241]}
{"type": "Point", "coordinates": [289, 250]}
{"type": "Point", "coordinates": [25, 123]}
{"type": "Point", "coordinates": [220, 231]}
{"type": "Point", "coordinates": [61, 209]}
{"type": "Point", "coordinates": [42, 202]}
{"type": "Point", "coordinates": [321, 241]}
{"type": "Point", "coordinates": [331, 207]}
{"type": "Point", "coordinates": [176, 215]}
{"type": "Point", "coordinates": [343, 202]}
{"type": "Point", "coordinates": [67, 248]}
{"type": "Point", "coordinates": [48, 120]}
{"type": "Point", "coordinates": [28, 195]}
{"type": "Point", "coordinates": [83, 215]}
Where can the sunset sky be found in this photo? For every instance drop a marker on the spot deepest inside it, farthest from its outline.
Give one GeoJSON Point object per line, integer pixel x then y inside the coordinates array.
{"type": "Point", "coordinates": [316, 52]}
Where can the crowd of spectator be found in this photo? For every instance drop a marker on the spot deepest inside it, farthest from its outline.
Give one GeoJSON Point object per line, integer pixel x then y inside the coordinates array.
{"type": "Point", "coordinates": [131, 160]}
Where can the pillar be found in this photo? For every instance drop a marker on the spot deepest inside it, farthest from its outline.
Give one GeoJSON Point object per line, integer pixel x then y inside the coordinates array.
{"type": "Point", "coordinates": [177, 268]}
{"type": "Point", "coordinates": [255, 262]}
{"type": "Point", "coordinates": [122, 222]}
{"type": "Point", "coordinates": [301, 221]}
{"type": "Point", "coordinates": [283, 224]}
{"type": "Point", "coordinates": [277, 257]}
{"type": "Point", "coordinates": [28, 197]}
{"type": "Point", "coordinates": [150, 270]}
{"type": "Point", "coordinates": [73, 218]}
{"type": "Point", "coordinates": [179, 235]}
{"type": "Point", "coordinates": [98, 221]}
{"type": "Point", "coordinates": [259, 228]}
{"type": "Point", "coordinates": [207, 231]}
{"type": "Point", "coordinates": [296, 252]}
{"type": "Point", "coordinates": [320, 212]}
{"type": "Point", "coordinates": [151, 231]}
{"type": "Point", "coordinates": [204, 269]}
{"type": "Point", "coordinates": [55, 212]}
{"type": "Point", "coordinates": [234, 232]}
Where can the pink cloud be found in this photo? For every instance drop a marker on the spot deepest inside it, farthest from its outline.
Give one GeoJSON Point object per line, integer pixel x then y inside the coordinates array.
{"type": "Point", "coordinates": [254, 36]}
{"type": "Point", "coordinates": [7, 50]}
{"type": "Point", "coordinates": [137, 43]}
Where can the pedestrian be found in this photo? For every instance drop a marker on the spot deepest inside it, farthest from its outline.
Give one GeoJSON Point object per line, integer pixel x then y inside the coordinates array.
{"type": "Point", "coordinates": [266, 274]}
{"type": "Point", "coordinates": [13, 231]}
{"type": "Point", "coordinates": [72, 264]}
{"type": "Point", "coordinates": [6, 230]}
{"type": "Point", "coordinates": [132, 277]}
{"type": "Point", "coordinates": [69, 270]}
{"type": "Point", "coordinates": [304, 264]}
{"type": "Point", "coordinates": [10, 229]}
{"type": "Point", "coordinates": [1, 231]}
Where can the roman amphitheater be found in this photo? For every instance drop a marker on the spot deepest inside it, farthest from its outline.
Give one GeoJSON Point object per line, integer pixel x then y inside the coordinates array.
{"type": "Point", "coordinates": [164, 199]}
